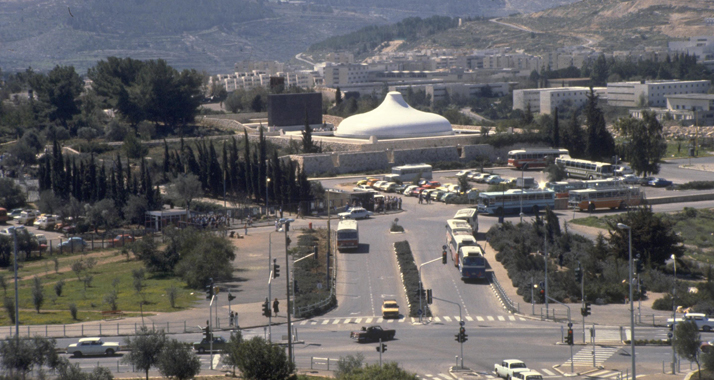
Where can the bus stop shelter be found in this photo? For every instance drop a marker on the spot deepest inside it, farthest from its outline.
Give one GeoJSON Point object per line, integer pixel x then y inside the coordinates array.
{"type": "Point", "coordinates": [159, 219]}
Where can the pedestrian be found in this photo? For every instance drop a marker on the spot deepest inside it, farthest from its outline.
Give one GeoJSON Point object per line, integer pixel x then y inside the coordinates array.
{"type": "Point", "coordinates": [276, 303]}
{"type": "Point", "coordinates": [230, 319]}
{"type": "Point", "coordinates": [245, 226]}
{"type": "Point", "coordinates": [400, 203]}
{"type": "Point", "coordinates": [277, 224]}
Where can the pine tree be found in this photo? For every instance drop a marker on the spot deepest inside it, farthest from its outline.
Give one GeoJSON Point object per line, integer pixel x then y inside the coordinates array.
{"type": "Point", "coordinates": [248, 172]}
{"type": "Point", "coordinates": [600, 143]}
{"type": "Point", "coordinates": [307, 143]}
{"type": "Point", "coordinates": [338, 96]}
{"type": "Point", "coordinates": [167, 161]}
{"type": "Point", "coordinates": [57, 176]}
{"type": "Point", "coordinates": [234, 168]}
{"type": "Point", "coordinates": [102, 184]}
{"type": "Point", "coordinates": [262, 166]}
{"type": "Point", "coordinates": [556, 129]}
{"type": "Point", "coordinates": [215, 175]}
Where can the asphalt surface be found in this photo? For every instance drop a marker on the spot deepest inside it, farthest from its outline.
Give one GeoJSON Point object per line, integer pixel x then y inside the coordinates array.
{"type": "Point", "coordinates": [369, 275]}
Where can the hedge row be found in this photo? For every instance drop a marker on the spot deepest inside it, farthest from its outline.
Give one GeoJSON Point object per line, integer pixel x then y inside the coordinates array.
{"type": "Point", "coordinates": [309, 272]}
{"type": "Point", "coordinates": [410, 277]}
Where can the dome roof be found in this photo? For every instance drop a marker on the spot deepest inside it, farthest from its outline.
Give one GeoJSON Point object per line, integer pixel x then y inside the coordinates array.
{"type": "Point", "coordinates": [394, 118]}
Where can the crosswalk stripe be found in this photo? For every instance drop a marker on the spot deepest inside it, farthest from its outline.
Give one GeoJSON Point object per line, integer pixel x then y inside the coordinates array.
{"type": "Point", "coordinates": [480, 319]}
{"type": "Point", "coordinates": [326, 321]}
{"type": "Point", "coordinates": [390, 321]}
{"type": "Point", "coordinates": [511, 317]}
{"type": "Point", "coordinates": [445, 376]}
{"type": "Point", "coordinates": [369, 320]}
{"type": "Point", "coordinates": [500, 318]}
{"type": "Point", "coordinates": [548, 372]}
{"type": "Point", "coordinates": [347, 320]}
{"type": "Point", "coordinates": [336, 321]}
{"type": "Point", "coordinates": [313, 323]}
{"type": "Point", "coordinates": [358, 320]}
{"type": "Point", "coordinates": [447, 318]}
{"type": "Point", "coordinates": [402, 319]}
{"type": "Point", "coordinates": [413, 319]}
{"type": "Point", "coordinates": [596, 374]}
{"type": "Point", "coordinates": [610, 375]}
{"type": "Point", "coordinates": [468, 318]}
{"type": "Point", "coordinates": [380, 320]}
{"type": "Point", "coordinates": [522, 319]}
{"type": "Point", "coordinates": [436, 319]}
{"type": "Point", "coordinates": [303, 322]}
{"type": "Point", "coordinates": [490, 318]}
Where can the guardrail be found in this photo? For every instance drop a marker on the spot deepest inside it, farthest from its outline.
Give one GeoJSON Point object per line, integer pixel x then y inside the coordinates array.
{"type": "Point", "coordinates": [323, 362]}
{"type": "Point", "coordinates": [97, 329]}
{"type": "Point", "coordinates": [514, 307]}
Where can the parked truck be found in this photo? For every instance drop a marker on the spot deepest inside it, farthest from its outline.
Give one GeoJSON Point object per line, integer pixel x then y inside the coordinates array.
{"type": "Point", "coordinates": [702, 320]}
{"type": "Point", "coordinates": [507, 368]}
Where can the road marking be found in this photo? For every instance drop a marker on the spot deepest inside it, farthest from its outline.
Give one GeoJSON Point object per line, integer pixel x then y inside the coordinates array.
{"type": "Point", "coordinates": [402, 319]}
{"type": "Point", "coordinates": [313, 323]}
{"type": "Point", "coordinates": [468, 318]}
{"type": "Point", "coordinates": [216, 360]}
{"type": "Point", "coordinates": [413, 319]}
{"type": "Point", "coordinates": [585, 355]}
{"type": "Point", "coordinates": [480, 319]}
{"type": "Point", "coordinates": [347, 320]}
{"type": "Point", "coordinates": [336, 321]}
{"type": "Point", "coordinates": [358, 320]}
{"type": "Point", "coordinates": [445, 376]}
{"type": "Point", "coordinates": [390, 320]}
{"type": "Point", "coordinates": [548, 372]}
{"type": "Point", "coordinates": [447, 319]}
{"type": "Point", "coordinates": [458, 293]}
{"type": "Point", "coordinates": [369, 280]}
{"type": "Point", "coordinates": [490, 318]}
{"type": "Point", "coordinates": [303, 323]}
{"type": "Point", "coordinates": [369, 320]}
{"type": "Point", "coordinates": [380, 320]}
{"type": "Point", "coordinates": [326, 321]}
{"type": "Point", "coordinates": [522, 319]}
{"type": "Point", "coordinates": [511, 317]}
{"type": "Point", "coordinates": [596, 374]}
{"type": "Point", "coordinates": [500, 318]}
{"type": "Point", "coordinates": [436, 319]}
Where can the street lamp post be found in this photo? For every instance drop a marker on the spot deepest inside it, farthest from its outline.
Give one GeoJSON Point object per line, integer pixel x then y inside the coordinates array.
{"type": "Point", "coordinates": [674, 313]}
{"type": "Point", "coordinates": [523, 169]}
{"type": "Point", "coordinates": [267, 184]}
{"type": "Point", "coordinates": [632, 305]}
{"type": "Point", "coordinates": [287, 291]}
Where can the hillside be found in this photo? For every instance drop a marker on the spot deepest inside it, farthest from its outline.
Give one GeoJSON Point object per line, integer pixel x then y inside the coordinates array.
{"type": "Point", "coordinates": [203, 34]}
{"type": "Point", "coordinates": [621, 25]}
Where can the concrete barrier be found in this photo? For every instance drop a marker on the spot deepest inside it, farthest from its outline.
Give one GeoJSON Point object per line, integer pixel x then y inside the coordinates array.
{"type": "Point", "coordinates": [681, 198]}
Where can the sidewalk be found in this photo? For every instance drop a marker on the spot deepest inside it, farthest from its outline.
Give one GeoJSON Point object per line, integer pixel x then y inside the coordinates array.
{"type": "Point", "coordinates": [604, 315]}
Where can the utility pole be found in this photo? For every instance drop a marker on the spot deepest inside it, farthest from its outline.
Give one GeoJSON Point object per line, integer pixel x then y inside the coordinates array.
{"type": "Point", "coordinates": [17, 298]}
{"type": "Point", "coordinates": [287, 290]}
{"type": "Point", "coordinates": [545, 256]}
{"type": "Point", "coordinates": [327, 255]}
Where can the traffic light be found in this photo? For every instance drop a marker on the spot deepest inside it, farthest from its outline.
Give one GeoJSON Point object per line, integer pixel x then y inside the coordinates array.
{"type": "Point", "coordinates": [569, 338]}
{"type": "Point", "coordinates": [266, 308]}
{"type": "Point", "coordinates": [428, 296]}
{"type": "Point", "coordinates": [231, 297]}
{"type": "Point", "coordinates": [276, 269]}
{"type": "Point", "coordinates": [578, 274]}
{"type": "Point", "coordinates": [541, 286]}
{"type": "Point", "coordinates": [382, 347]}
{"type": "Point", "coordinates": [643, 291]}
{"type": "Point", "coordinates": [587, 309]}
{"type": "Point", "coordinates": [461, 337]}
{"type": "Point", "coordinates": [639, 265]}
{"type": "Point", "coordinates": [209, 290]}
{"type": "Point", "coordinates": [207, 333]}
{"type": "Point", "coordinates": [443, 257]}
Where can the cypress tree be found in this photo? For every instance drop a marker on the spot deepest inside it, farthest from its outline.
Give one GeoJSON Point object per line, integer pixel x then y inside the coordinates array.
{"type": "Point", "coordinates": [248, 172]}
{"type": "Point", "coordinates": [234, 168]}
{"type": "Point", "coordinates": [167, 161]}
{"type": "Point", "coordinates": [57, 170]}
{"type": "Point", "coordinates": [214, 171]}
{"type": "Point", "coordinates": [203, 170]}
{"type": "Point", "coordinates": [556, 129]}
{"type": "Point", "coordinates": [600, 143]}
{"type": "Point", "coordinates": [102, 183]}
{"type": "Point", "coordinates": [307, 144]}
{"type": "Point", "coordinates": [225, 169]}
{"type": "Point", "coordinates": [262, 166]}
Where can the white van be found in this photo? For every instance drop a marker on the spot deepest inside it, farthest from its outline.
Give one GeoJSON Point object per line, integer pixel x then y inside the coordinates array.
{"type": "Point", "coordinates": [470, 215]}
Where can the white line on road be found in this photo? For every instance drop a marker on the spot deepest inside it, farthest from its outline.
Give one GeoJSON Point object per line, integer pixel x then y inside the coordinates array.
{"type": "Point", "coordinates": [548, 372]}
{"type": "Point", "coordinates": [447, 318]}
{"type": "Point", "coordinates": [468, 318]}
{"type": "Point", "coordinates": [500, 318]}
{"type": "Point", "coordinates": [480, 319]}
{"type": "Point", "coordinates": [336, 321]}
{"type": "Point", "coordinates": [490, 318]}
{"type": "Point", "coordinates": [358, 320]}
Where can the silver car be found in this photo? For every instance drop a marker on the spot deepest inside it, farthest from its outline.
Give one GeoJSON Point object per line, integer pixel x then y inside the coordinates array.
{"type": "Point", "coordinates": [92, 347]}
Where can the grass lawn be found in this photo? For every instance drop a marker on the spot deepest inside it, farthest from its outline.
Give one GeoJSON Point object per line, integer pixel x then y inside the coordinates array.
{"type": "Point", "coordinates": [592, 221]}
{"type": "Point", "coordinates": [681, 150]}
{"type": "Point", "coordinates": [111, 272]}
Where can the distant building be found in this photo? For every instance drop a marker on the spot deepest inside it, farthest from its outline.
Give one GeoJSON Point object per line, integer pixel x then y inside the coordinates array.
{"type": "Point", "coordinates": [546, 100]}
{"type": "Point", "coordinates": [345, 74]}
{"type": "Point", "coordinates": [465, 90]}
{"type": "Point", "coordinates": [653, 93]}
{"type": "Point", "coordinates": [341, 57]}
{"type": "Point", "coordinates": [688, 109]}
{"type": "Point", "coordinates": [701, 46]}
{"type": "Point", "coordinates": [269, 67]}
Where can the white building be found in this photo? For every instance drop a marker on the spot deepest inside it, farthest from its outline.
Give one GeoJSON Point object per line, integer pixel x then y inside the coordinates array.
{"type": "Point", "coordinates": [686, 108]}
{"type": "Point", "coordinates": [546, 100]}
{"type": "Point", "coordinates": [341, 57]}
{"type": "Point", "coordinates": [269, 67]}
{"type": "Point", "coordinates": [466, 90]}
{"type": "Point", "coordinates": [652, 93]}
{"type": "Point", "coordinates": [345, 74]}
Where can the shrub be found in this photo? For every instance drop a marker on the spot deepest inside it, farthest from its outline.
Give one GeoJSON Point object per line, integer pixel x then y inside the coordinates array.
{"type": "Point", "coordinates": [410, 277]}
{"type": "Point", "coordinates": [59, 285]}
{"type": "Point", "coordinates": [73, 311]}
{"type": "Point", "coordinates": [697, 185]}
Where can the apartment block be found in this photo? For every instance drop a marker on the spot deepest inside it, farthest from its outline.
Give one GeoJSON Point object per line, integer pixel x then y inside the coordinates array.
{"type": "Point", "coordinates": [546, 100]}
{"type": "Point", "coordinates": [688, 109]}
{"type": "Point", "coordinates": [345, 74]}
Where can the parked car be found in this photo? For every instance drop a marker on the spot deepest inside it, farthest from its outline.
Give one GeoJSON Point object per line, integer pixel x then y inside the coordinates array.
{"type": "Point", "coordinates": [415, 191]}
{"type": "Point", "coordinates": [399, 189]}
{"type": "Point", "coordinates": [45, 221]}
{"type": "Point", "coordinates": [371, 182]}
{"type": "Point", "coordinates": [646, 181]}
{"type": "Point", "coordinates": [355, 213]}
{"type": "Point", "coordinates": [464, 173]}
{"type": "Point", "coordinates": [8, 231]}
{"type": "Point", "coordinates": [431, 185]}
{"type": "Point", "coordinates": [388, 187]}
{"type": "Point", "coordinates": [219, 344]}
{"type": "Point", "coordinates": [434, 195]}
{"type": "Point", "coordinates": [494, 180]}
{"type": "Point", "coordinates": [630, 179]}
{"type": "Point", "coordinates": [122, 239]}
{"type": "Point", "coordinates": [407, 190]}
{"type": "Point", "coordinates": [660, 182]}
{"type": "Point", "coordinates": [92, 346]}
{"type": "Point", "coordinates": [482, 178]}
{"type": "Point", "coordinates": [622, 169]}
{"type": "Point", "coordinates": [378, 184]}
{"type": "Point", "coordinates": [41, 242]}
{"type": "Point", "coordinates": [363, 189]}
{"type": "Point", "coordinates": [27, 216]}
{"type": "Point", "coordinates": [14, 213]}
{"type": "Point", "coordinates": [361, 182]}
{"type": "Point", "coordinates": [73, 243]}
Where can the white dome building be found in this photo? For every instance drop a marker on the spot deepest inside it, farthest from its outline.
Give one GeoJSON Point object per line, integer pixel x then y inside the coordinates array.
{"type": "Point", "coordinates": [394, 118]}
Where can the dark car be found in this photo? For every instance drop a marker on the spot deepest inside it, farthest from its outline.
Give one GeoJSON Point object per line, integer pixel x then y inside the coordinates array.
{"type": "Point", "coordinates": [659, 182]}
{"type": "Point", "coordinates": [372, 334]}
{"type": "Point", "coordinates": [646, 180]}
{"type": "Point", "coordinates": [219, 344]}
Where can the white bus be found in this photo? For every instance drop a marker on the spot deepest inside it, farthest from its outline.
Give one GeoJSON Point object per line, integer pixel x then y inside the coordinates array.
{"type": "Point", "coordinates": [457, 227]}
{"type": "Point", "coordinates": [470, 215]}
{"type": "Point", "coordinates": [562, 189]}
{"type": "Point", "coordinates": [347, 234]}
{"type": "Point", "coordinates": [456, 242]}
{"type": "Point", "coordinates": [577, 168]}
{"type": "Point", "coordinates": [406, 173]}
{"type": "Point", "coordinates": [510, 201]}
{"type": "Point", "coordinates": [472, 263]}
{"type": "Point", "coordinates": [608, 197]}
{"type": "Point", "coordinates": [534, 158]}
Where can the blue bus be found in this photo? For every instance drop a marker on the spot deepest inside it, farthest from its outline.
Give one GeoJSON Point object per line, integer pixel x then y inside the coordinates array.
{"type": "Point", "coordinates": [472, 263]}
{"type": "Point", "coordinates": [515, 200]}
